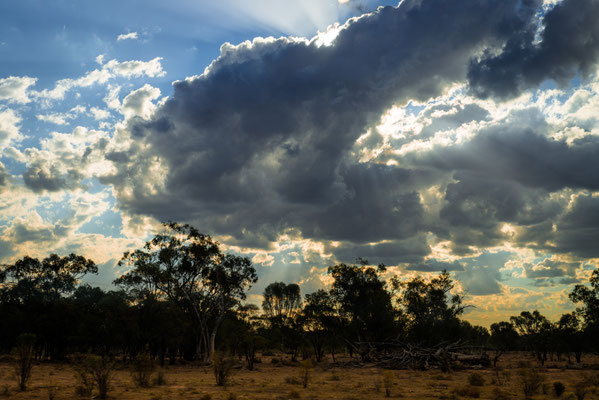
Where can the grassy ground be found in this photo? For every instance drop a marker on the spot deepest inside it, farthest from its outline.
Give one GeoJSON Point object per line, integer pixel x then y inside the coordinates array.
{"type": "Point", "coordinates": [270, 381]}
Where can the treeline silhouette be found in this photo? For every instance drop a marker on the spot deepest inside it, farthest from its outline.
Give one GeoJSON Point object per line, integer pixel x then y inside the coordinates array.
{"type": "Point", "coordinates": [183, 298]}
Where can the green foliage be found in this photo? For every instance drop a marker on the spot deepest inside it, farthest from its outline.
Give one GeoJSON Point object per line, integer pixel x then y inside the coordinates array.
{"type": "Point", "coordinates": [222, 366]}
{"type": "Point", "coordinates": [23, 359]}
{"type": "Point", "coordinates": [363, 301]}
{"type": "Point", "coordinates": [430, 308]}
{"type": "Point", "coordinates": [189, 269]}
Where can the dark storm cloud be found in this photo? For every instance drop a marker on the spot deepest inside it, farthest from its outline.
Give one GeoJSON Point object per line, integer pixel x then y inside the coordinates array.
{"type": "Point", "coordinates": [551, 269]}
{"type": "Point", "coordinates": [523, 154]}
{"type": "Point", "coordinates": [262, 142]}
{"type": "Point", "coordinates": [577, 231]}
{"type": "Point", "coordinates": [569, 44]}
{"type": "Point", "coordinates": [41, 178]}
{"type": "Point", "coordinates": [412, 250]}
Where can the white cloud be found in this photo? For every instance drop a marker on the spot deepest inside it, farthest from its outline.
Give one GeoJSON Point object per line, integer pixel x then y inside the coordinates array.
{"type": "Point", "coordinates": [100, 59]}
{"type": "Point", "coordinates": [139, 103]}
{"type": "Point", "coordinates": [125, 36]}
{"type": "Point", "coordinates": [99, 114]}
{"type": "Point", "coordinates": [57, 118]}
{"type": "Point", "coordinates": [14, 89]}
{"type": "Point", "coordinates": [110, 70]}
{"type": "Point", "coordinates": [9, 128]}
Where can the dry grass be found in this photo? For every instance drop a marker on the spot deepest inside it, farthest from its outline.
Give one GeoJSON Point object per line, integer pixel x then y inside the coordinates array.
{"type": "Point", "coordinates": [268, 382]}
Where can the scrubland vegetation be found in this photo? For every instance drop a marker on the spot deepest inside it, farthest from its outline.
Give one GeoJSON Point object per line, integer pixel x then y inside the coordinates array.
{"type": "Point", "coordinates": [177, 327]}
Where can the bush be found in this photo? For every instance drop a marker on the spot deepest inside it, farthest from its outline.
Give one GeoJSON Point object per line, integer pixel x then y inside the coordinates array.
{"type": "Point", "coordinates": [531, 381]}
{"type": "Point", "coordinates": [294, 394]}
{"type": "Point", "coordinates": [388, 382]}
{"type": "Point", "coordinates": [85, 382]}
{"type": "Point", "coordinates": [142, 369]}
{"type": "Point", "coordinates": [222, 367]}
{"type": "Point", "coordinates": [96, 369]}
{"type": "Point", "coordinates": [23, 359]}
{"type": "Point", "coordinates": [476, 379]}
{"type": "Point", "coordinates": [558, 388]}
{"type": "Point", "coordinates": [305, 372]}
{"type": "Point", "coordinates": [206, 397]}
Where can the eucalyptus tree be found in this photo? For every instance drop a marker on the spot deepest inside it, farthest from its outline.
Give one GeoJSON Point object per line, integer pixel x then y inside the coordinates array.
{"type": "Point", "coordinates": [430, 307]}
{"type": "Point", "coordinates": [188, 268]}
{"type": "Point", "coordinates": [33, 299]}
{"type": "Point", "coordinates": [363, 301]}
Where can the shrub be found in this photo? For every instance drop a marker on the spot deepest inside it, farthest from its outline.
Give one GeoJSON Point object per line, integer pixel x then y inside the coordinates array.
{"type": "Point", "coordinates": [531, 381]}
{"type": "Point", "coordinates": [142, 369]}
{"type": "Point", "coordinates": [222, 367]}
{"type": "Point", "coordinates": [206, 397]}
{"type": "Point", "coordinates": [305, 372]}
{"type": "Point", "coordinates": [85, 382]}
{"type": "Point", "coordinates": [23, 359]}
{"type": "Point", "coordinates": [558, 388]}
{"type": "Point", "coordinates": [388, 382]}
{"type": "Point", "coordinates": [294, 394]}
{"type": "Point", "coordinates": [99, 369]}
{"type": "Point", "coordinates": [476, 379]}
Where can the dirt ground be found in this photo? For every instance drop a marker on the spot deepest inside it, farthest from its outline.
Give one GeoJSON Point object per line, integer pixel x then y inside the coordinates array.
{"type": "Point", "coordinates": [327, 381]}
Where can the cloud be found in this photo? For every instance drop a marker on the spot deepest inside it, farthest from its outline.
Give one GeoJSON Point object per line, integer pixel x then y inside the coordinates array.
{"type": "Point", "coordinates": [432, 265]}
{"type": "Point", "coordinates": [139, 103]}
{"type": "Point", "coordinates": [110, 70]}
{"type": "Point", "coordinates": [14, 89]}
{"type": "Point", "coordinates": [568, 44]}
{"type": "Point", "coordinates": [126, 36]}
{"type": "Point", "coordinates": [63, 160]}
{"type": "Point", "coordinates": [9, 128]}
{"type": "Point", "coordinates": [264, 138]}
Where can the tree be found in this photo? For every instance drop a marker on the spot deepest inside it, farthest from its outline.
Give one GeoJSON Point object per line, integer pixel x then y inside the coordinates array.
{"type": "Point", "coordinates": [536, 330]}
{"type": "Point", "coordinates": [589, 297]}
{"type": "Point", "coordinates": [33, 296]}
{"type": "Point", "coordinates": [319, 321]}
{"type": "Point", "coordinates": [48, 279]}
{"type": "Point", "coordinates": [363, 302]}
{"type": "Point", "coordinates": [188, 268]}
{"type": "Point", "coordinates": [503, 337]}
{"type": "Point", "coordinates": [431, 309]}
{"type": "Point", "coordinates": [281, 302]}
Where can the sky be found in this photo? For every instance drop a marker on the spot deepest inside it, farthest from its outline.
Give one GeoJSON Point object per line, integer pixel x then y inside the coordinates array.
{"type": "Point", "coordinates": [429, 135]}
